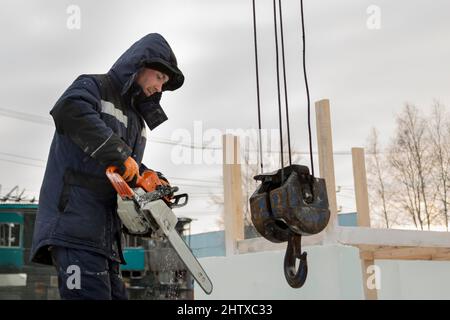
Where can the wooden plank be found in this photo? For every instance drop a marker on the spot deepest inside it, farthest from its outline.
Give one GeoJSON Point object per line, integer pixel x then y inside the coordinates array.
{"type": "Point", "coordinates": [436, 245]}
{"type": "Point", "coordinates": [366, 254]}
{"type": "Point", "coordinates": [363, 218]}
{"type": "Point", "coordinates": [326, 160]}
{"type": "Point", "coordinates": [360, 182]}
{"type": "Point", "coordinates": [232, 188]}
{"type": "Point", "coordinates": [409, 253]}
{"type": "Point", "coordinates": [369, 248]}
{"type": "Point", "coordinates": [392, 237]}
{"type": "Point", "coordinates": [403, 253]}
{"type": "Point", "coordinates": [441, 257]}
{"type": "Point", "coordinates": [370, 292]}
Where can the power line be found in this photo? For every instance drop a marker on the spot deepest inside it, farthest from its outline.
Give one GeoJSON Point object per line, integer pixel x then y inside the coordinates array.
{"type": "Point", "coordinates": [23, 157]}
{"type": "Point", "coordinates": [197, 186]}
{"type": "Point", "coordinates": [169, 177]}
{"type": "Point", "coordinates": [26, 116]}
{"type": "Point", "coordinates": [174, 179]}
{"type": "Point", "coordinates": [347, 191]}
{"type": "Point", "coordinates": [217, 182]}
{"type": "Point", "coordinates": [195, 179]}
{"type": "Point", "coordinates": [46, 121]}
{"type": "Point", "coordinates": [345, 196]}
{"type": "Point", "coordinates": [185, 145]}
{"type": "Point", "coordinates": [43, 120]}
{"type": "Point", "coordinates": [22, 163]}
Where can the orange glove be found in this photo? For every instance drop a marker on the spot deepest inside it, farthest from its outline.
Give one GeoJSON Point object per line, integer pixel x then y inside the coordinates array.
{"type": "Point", "coordinates": [131, 169]}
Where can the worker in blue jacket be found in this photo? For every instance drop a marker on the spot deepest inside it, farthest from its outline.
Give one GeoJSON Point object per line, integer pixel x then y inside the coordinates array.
{"type": "Point", "coordinates": [100, 121]}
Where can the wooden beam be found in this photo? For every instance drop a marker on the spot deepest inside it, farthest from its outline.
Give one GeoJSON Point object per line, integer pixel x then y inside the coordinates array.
{"type": "Point", "coordinates": [369, 292]}
{"type": "Point", "coordinates": [404, 253]}
{"type": "Point", "coordinates": [409, 253]}
{"type": "Point", "coordinates": [373, 243]}
{"type": "Point", "coordinates": [366, 254]}
{"type": "Point", "coordinates": [357, 236]}
{"type": "Point", "coordinates": [363, 218]}
{"type": "Point", "coordinates": [232, 188]}
{"type": "Point", "coordinates": [360, 182]}
{"type": "Point", "coordinates": [441, 256]}
{"type": "Point", "coordinates": [326, 160]}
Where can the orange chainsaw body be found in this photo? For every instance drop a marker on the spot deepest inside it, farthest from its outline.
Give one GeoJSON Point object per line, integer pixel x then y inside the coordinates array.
{"type": "Point", "coordinates": [149, 181]}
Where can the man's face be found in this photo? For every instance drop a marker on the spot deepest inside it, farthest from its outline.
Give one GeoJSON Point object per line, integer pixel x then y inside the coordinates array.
{"type": "Point", "coordinates": [151, 81]}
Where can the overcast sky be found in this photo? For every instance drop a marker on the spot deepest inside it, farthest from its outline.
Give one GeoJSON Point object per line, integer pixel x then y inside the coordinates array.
{"type": "Point", "coordinates": [368, 74]}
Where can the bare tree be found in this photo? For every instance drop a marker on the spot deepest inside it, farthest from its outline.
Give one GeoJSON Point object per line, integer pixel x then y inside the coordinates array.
{"type": "Point", "coordinates": [409, 155]}
{"type": "Point", "coordinates": [439, 132]}
{"type": "Point", "coordinates": [377, 178]}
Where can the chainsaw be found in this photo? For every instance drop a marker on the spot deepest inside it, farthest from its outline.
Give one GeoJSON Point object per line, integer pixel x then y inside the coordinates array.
{"type": "Point", "coordinates": [147, 208]}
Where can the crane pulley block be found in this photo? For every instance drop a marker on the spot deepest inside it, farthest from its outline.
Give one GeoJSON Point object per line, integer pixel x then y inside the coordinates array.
{"type": "Point", "coordinates": [288, 204]}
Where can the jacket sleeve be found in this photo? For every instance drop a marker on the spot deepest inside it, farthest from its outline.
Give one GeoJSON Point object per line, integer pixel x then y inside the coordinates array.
{"type": "Point", "coordinates": [77, 115]}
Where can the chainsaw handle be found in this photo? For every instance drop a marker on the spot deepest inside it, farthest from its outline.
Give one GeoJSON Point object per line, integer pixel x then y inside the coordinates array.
{"type": "Point", "coordinates": [119, 183]}
{"type": "Point", "coordinates": [176, 200]}
{"type": "Point", "coordinates": [114, 169]}
{"type": "Point", "coordinates": [148, 181]}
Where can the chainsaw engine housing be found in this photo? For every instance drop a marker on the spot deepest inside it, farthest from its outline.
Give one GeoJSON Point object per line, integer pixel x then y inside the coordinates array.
{"type": "Point", "coordinates": [131, 216]}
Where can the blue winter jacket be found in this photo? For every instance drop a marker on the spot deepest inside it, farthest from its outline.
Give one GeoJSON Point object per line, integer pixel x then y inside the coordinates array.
{"type": "Point", "coordinates": [99, 121]}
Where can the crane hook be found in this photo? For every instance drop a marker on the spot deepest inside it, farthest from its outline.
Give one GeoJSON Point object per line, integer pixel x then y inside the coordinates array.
{"type": "Point", "coordinates": [295, 277]}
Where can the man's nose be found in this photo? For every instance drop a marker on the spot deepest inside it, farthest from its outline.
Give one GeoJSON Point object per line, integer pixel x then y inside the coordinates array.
{"type": "Point", "coordinates": [159, 87]}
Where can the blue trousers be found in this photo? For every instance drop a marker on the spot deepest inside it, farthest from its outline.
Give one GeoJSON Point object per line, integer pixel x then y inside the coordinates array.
{"type": "Point", "coordinates": [86, 275]}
